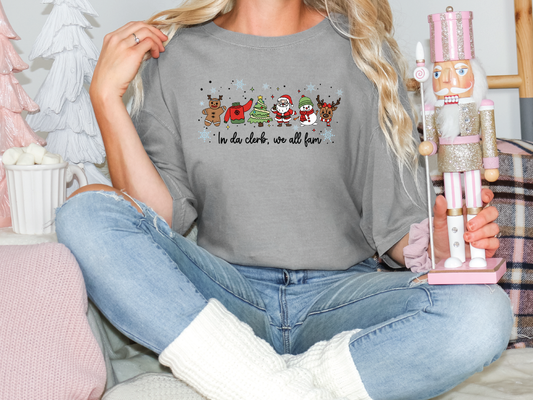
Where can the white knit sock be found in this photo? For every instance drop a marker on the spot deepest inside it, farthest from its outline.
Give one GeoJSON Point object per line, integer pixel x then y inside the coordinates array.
{"type": "Point", "coordinates": [332, 366]}
{"type": "Point", "coordinates": [223, 359]}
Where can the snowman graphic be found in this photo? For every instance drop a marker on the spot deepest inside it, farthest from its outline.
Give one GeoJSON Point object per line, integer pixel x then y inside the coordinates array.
{"type": "Point", "coordinates": [307, 114]}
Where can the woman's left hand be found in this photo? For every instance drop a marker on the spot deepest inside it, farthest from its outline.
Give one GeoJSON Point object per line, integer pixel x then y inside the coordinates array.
{"type": "Point", "coordinates": [480, 230]}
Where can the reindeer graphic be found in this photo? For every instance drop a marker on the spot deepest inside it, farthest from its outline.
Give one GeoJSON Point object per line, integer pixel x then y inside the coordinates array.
{"type": "Point", "coordinates": [214, 111]}
{"type": "Point", "coordinates": [325, 110]}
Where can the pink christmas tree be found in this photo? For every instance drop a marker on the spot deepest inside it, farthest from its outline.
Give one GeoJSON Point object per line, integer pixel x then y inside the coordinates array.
{"type": "Point", "coordinates": [14, 131]}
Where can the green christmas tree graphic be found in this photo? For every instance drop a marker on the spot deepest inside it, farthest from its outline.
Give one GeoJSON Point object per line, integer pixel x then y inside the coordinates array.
{"type": "Point", "coordinates": [260, 114]}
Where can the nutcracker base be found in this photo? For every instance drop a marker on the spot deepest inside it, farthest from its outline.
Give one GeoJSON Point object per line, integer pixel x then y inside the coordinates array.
{"type": "Point", "coordinates": [465, 275]}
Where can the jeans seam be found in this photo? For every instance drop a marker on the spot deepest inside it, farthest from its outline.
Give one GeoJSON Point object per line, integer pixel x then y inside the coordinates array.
{"type": "Point", "coordinates": [284, 319]}
{"type": "Point", "coordinates": [126, 332]}
{"type": "Point", "coordinates": [366, 297]}
{"type": "Point", "coordinates": [197, 264]}
{"type": "Point", "coordinates": [176, 266]}
{"type": "Point", "coordinates": [405, 316]}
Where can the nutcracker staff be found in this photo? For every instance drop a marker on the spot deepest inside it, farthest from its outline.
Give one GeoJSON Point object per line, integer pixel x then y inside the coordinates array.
{"type": "Point", "coordinates": [460, 126]}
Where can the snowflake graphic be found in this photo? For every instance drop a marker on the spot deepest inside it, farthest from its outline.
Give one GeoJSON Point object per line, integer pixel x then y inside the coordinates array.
{"type": "Point", "coordinates": [204, 135]}
{"type": "Point", "coordinates": [240, 84]}
{"type": "Point", "coordinates": [202, 103]}
{"type": "Point", "coordinates": [213, 90]}
{"type": "Point", "coordinates": [328, 134]}
{"type": "Point", "coordinates": [265, 86]}
{"type": "Point", "coordinates": [310, 88]}
{"type": "Point", "coordinates": [339, 92]}
{"type": "Point", "coordinates": [295, 128]}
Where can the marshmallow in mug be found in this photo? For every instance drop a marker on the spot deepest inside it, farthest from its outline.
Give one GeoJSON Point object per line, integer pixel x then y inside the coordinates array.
{"type": "Point", "coordinates": [30, 155]}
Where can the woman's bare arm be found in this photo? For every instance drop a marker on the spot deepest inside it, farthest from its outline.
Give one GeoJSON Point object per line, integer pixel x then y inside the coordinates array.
{"type": "Point", "coordinates": [130, 167]}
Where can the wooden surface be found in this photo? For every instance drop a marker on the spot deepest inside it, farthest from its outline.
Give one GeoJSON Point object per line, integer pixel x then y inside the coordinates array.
{"type": "Point", "coordinates": [524, 44]}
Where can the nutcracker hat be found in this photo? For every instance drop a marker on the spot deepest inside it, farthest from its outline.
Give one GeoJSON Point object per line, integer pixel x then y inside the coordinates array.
{"type": "Point", "coordinates": [451, 36]}
{"type": "Point", "coordinates": [286, 97]}
{"type": "Point", "coordinates": [305, 101]}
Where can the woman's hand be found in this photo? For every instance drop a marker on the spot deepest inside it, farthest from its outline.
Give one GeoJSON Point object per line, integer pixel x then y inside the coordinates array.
{"type": "Point", "coordinates": [122, 56]}
{"type": "Point", "coordinates": [480, 230]}
{"type": "Point", "coordinates": [130, 167]}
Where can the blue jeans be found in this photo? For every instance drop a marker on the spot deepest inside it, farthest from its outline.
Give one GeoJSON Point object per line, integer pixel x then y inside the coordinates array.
{"type": "Point", "coordinates": [416, 340]}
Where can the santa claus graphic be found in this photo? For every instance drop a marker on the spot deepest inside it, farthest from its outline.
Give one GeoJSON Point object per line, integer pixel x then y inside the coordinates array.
{"type": "Point", "coordinates": [282, 110]}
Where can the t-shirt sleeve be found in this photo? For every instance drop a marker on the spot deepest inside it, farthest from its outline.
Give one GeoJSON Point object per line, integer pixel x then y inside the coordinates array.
{"type": "Point", "coordinates": [161, 140]}
{"type": "Point", "coordinates": [392, 199]}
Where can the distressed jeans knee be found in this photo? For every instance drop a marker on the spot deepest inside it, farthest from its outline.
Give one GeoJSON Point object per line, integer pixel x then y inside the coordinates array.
{"type": "Point", "coordinates": [81, 220]}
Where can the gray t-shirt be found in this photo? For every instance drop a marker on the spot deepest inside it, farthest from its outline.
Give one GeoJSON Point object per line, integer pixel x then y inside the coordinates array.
{"type": "Point", "coordinates": [311, 186]}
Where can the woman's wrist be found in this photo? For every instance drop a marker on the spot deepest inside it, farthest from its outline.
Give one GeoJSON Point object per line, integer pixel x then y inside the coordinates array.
{"type": "Point", "coordinates": [102, 96]}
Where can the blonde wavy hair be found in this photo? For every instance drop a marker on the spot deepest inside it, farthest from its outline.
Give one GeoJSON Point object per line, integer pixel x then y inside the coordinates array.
{"type": "Point", "coordinates": [370, 26]}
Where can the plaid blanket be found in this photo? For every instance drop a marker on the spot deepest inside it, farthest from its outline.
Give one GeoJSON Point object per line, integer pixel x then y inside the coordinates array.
{"type": "Point", "coordinates": [513, 197]}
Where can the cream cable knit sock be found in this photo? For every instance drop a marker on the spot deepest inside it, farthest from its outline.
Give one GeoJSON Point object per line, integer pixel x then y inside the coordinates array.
{"type": "Point", "coordinates": [223, 359]}
{"type": "Point", "coordinates": [332, 366]}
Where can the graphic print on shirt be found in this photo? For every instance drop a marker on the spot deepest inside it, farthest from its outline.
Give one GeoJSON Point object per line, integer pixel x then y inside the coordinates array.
{"type": "Point", "coordinates": [307, 112]}
{"type": "Point", "coordinates": [235, 113]}
{"type": "Point", "coordinates": [260, 114]}
{"type": "Point", "coordinates": [283, 111]}
{"type": "Point", "coordinates": [214, 111]}
{"type": "Point", "coordinates": [283, 114]}
{"type": "Point", "coordinates": [326, 109]}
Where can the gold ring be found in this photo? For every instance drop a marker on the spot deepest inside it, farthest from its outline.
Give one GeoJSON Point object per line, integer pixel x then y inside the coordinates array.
{"type": "Point", "coordinates": [137, 40]}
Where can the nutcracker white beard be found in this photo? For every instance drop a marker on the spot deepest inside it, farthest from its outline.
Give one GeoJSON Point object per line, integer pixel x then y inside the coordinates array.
{"type": "Point", "coordinates": [448, 121]}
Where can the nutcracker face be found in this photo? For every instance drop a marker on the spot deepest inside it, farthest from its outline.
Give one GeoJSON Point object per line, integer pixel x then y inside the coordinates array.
{"type": "Point", "coordinates": [453, 78]}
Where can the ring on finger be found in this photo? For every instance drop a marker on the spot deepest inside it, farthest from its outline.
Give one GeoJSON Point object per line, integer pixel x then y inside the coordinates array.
{"type": "Point", "coordinates": [499, 235]}
{"type": "Point", "coordinates": [137, 40]}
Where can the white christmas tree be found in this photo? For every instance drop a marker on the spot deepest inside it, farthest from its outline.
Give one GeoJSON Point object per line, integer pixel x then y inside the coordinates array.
{"type": "Point", "coordinates": [66, 111]}
{"type": "Point", "coordinates": [14, 131]}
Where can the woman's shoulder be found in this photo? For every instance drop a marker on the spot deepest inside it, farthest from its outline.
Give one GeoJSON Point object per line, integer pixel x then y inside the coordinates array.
{"type": "Point", "coordinates": [188, 33]}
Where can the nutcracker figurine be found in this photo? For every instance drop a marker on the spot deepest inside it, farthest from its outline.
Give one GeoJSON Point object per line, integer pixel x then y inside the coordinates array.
{"type": "Point", "coordinates": [459, 128]}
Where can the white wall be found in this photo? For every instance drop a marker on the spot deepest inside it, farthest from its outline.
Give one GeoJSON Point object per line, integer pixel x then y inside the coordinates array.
{"type": "Point", "coordinates": [493, 31]}
{"type": "Point", "coordinates": [27, 18]}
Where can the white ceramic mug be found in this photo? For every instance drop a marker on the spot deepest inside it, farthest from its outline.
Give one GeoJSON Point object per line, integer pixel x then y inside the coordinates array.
{"type": "Point", "coordinates": [35, 191]}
